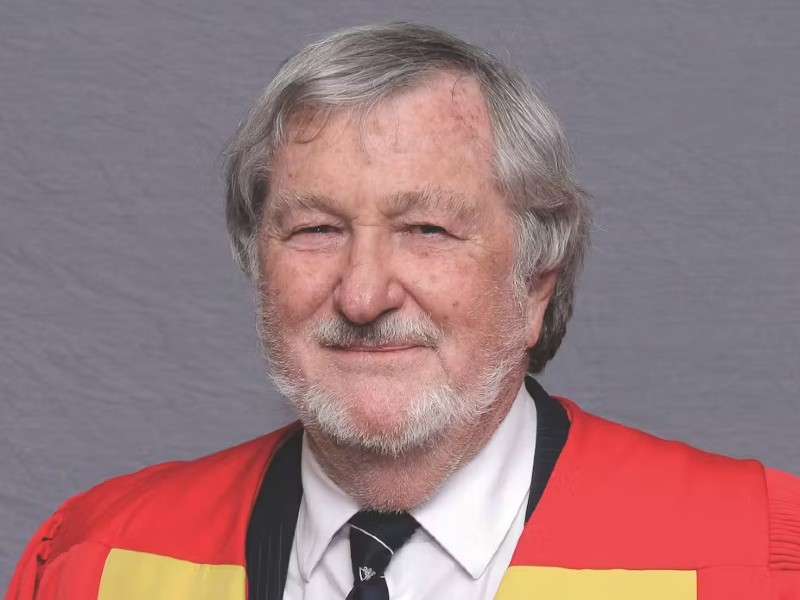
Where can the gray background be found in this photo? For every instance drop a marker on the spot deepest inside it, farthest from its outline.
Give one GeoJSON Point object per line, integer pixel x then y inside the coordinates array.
{"type": "Point", "coordinates": [127, 335]}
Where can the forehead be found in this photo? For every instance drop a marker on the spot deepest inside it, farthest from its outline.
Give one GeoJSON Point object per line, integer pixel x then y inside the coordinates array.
{"type": "Point", "coordinates": [449, 101]}
{"type": "Point", "coordinates": [437, 130]}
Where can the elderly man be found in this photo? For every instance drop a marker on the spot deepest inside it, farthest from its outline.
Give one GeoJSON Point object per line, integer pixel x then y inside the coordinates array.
{"type": "Point", "coordinates": [404, 205]}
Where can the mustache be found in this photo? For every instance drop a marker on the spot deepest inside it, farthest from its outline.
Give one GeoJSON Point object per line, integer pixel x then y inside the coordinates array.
{"type": "Point", "coordinates": [386, 330]}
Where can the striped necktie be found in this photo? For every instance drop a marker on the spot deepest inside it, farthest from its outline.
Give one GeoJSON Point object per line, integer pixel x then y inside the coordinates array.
{"type": "Point", "coordinates": [374, 538]}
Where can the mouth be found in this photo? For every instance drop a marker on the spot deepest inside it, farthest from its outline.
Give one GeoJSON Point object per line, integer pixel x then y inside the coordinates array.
{"type": "Point", "coordinates": [377, 349]}
{"type": "Point", "coordinates": [378, 361]}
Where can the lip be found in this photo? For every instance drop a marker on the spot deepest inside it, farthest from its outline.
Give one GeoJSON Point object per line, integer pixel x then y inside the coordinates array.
{"type": "Point", "coordinates": [375, 349]}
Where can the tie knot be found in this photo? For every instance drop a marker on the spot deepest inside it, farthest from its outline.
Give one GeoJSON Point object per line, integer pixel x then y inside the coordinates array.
{"type": "Point", "coordinates": [374, 538]}
{"type": "Point", "coordinates": [391, 529]}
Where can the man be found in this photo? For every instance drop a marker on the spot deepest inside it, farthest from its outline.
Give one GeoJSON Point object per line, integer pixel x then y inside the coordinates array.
{"type": "Point", "coordinates": [404, 205]}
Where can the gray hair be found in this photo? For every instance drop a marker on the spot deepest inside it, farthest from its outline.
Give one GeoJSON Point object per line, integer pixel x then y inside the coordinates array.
{"type": "Point", "coordinates": [357, 68]}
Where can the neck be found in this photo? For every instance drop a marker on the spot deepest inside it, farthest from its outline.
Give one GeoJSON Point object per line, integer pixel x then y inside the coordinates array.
{"type": "Point", "coordinates": [399, 483]}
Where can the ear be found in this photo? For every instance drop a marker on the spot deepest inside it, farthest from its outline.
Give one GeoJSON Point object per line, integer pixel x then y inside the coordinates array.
{"type": "Point", "coordinates": [538, 299]}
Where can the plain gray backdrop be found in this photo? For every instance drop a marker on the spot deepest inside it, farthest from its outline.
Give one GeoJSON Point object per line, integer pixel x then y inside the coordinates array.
{"type": "Point", "coordinates": [127, 332]}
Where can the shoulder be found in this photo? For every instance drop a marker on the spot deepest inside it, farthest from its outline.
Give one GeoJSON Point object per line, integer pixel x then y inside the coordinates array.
{"type": "Point", "coordinates": [638, 498]}
{"type": "Point", "coordinates": [162, 507]}
{"type": "Point", "coordinates": [195, 510]}
{"type": "Point", "coordinates": [663, 461]}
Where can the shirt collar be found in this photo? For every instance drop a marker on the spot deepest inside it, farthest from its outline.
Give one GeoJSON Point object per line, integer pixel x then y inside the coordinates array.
{"type": "Point", "coordinates": [325, 508]}
{"type": "Point", "coordinates": [472, 512]}
{"type": "Point", "coordinates": [469, 515]}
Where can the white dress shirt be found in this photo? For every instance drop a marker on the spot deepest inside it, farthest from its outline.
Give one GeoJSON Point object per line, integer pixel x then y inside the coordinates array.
{"type": "Point", "coordinates": [468, 529]}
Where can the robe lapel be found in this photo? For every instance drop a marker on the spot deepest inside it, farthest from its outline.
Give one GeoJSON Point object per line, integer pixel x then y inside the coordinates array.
{"type": "Point", "coordinates": [270, 532]}
{"type": "Point", "coordinates": [552, 429]}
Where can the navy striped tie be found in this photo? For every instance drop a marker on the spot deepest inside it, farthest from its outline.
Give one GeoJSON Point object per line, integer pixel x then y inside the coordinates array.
{"type": "Point", "coordinates": [374, 538]}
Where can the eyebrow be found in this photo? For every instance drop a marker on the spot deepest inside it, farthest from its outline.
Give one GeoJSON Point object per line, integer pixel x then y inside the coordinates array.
{"type": "Point", "coordinates": [287, 201]}
{"type": "Point", "coordinates": [430, 198]}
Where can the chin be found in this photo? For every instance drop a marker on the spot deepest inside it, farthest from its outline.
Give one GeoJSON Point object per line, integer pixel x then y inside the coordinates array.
{"type": "Point", "coordinates": [387, 424]}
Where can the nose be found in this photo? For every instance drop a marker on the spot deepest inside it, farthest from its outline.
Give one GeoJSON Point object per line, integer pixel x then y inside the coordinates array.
{"type": "Point", "coordinates": [368, 286]}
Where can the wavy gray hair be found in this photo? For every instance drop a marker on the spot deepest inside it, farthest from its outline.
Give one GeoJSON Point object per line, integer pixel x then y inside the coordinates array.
{"type": "Point", "coordinates": [357, 68]}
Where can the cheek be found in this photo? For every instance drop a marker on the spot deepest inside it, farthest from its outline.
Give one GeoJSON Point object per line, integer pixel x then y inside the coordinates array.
{"type": "Point", "coordinates": [489, 304]}
{"type": "Point", "coordinates": [461, 295]}
{"type": "Point", "coordinates": [296, 287]}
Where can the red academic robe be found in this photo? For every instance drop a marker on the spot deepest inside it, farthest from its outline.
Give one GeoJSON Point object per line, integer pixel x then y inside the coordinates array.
{"type": "Point", "coordinates": [624, 516]}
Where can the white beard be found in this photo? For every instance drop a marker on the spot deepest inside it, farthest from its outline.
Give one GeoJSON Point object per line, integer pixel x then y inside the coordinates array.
{"type": "Point", "coordinates": [427, 416]}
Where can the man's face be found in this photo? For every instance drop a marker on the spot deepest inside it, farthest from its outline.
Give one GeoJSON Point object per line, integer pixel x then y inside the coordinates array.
{"type": "Point", "coordinates": [388, 307]}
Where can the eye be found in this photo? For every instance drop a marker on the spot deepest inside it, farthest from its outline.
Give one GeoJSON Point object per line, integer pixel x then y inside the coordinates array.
{"type": "Point", "coordinates": [428, 229]}
{"type": "Point", "coordinates": [315, 237]}
{"type": "Point", "coordinates": [315, 229]}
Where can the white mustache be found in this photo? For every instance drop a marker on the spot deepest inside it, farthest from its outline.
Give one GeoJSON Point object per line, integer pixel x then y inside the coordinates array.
{"type": "Point", "coordinates": [387, 330]}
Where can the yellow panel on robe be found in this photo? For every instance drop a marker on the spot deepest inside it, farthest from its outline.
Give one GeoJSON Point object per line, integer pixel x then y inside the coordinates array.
{"type": "Point", "coordinates": [129, 575]}
{"type": "Point", "coordinates": [556, 583]}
